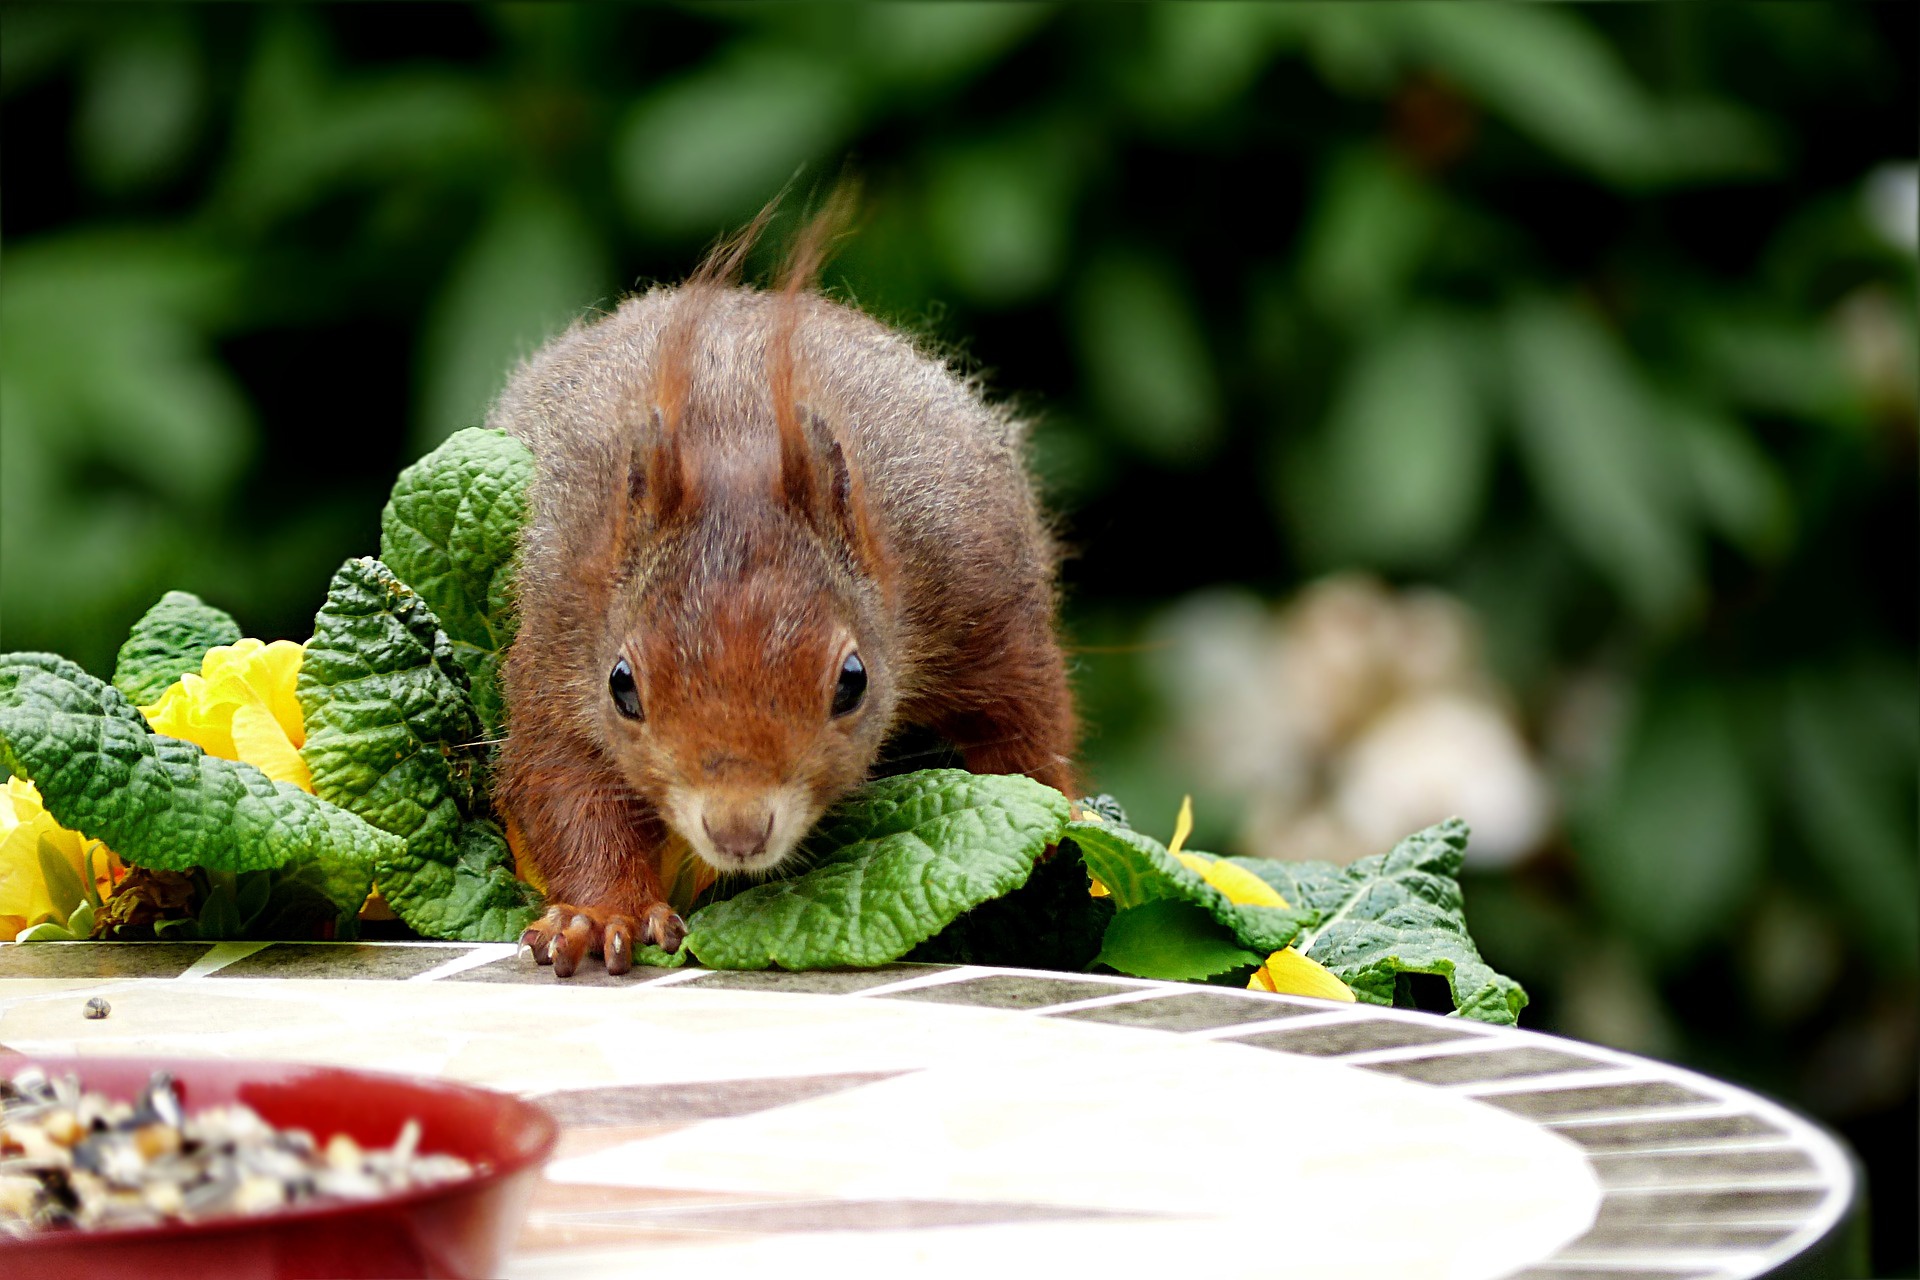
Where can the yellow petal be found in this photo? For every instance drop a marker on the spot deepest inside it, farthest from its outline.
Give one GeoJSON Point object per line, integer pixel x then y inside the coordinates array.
{"type": "Point", "coordinates": [23, 885]}
{"type": "Point", "coordinates": [280, 663]}
{"type": "Point", "coordinates": [1242, 886]}
{"type": "Point", "coordinates": [375, 907]}
{"type": "Point", "coordinates": [1182, 825]}
{"type": "Point", "coordinates": [1290, 973]}
{"type": "Point", "coordinates": [259, 740]}
{"type": "Point", "coordinates": [187, 710]}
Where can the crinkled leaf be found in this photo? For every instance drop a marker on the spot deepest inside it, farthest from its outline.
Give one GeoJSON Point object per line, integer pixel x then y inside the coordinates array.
{"type": "Point", "coordinates": [392, 736]}
{"type": "Point", "coordinates": [1172, 939]}
{"type": "Point", "coordinates": [451, 531]}
{"type": "Point", "coordinates": [473, 896]}
{"type": "Point", "coordinates": [1398, 912]}
{"type": "Point", "coordinates": [169, 640]}
{"type": "Point", "coordinates": [893, 866]}
{"type": "Point", "coordinates": [161, 802]}
{"type": "Point", "coordinates": [1137, 869]}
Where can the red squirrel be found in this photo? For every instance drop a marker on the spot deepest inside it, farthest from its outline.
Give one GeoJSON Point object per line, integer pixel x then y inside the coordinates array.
{"type": "Point", "coordinates": [767, 532]}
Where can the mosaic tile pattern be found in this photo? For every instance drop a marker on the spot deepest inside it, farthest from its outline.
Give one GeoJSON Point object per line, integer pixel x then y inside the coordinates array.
{"type": "Point", "coordinates": [361, 961]}
{"type": "Point", "coordinates": [1192, 1011]}
{"type": "Point", "coordinates": [85, 960]}
{"type": "Point", "coordinates": [1688, 1178]}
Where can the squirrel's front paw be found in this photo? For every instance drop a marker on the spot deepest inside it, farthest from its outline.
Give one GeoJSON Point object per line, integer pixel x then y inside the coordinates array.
{"type": "Point", "coordinates": [567, 933]}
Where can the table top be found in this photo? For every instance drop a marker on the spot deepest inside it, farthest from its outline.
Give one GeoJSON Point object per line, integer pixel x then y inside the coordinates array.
{"type": "Point", "coordinates": [936, 1120]}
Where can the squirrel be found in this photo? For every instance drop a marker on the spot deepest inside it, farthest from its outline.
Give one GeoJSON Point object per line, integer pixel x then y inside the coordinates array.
{"type": "Point", "coordinates": [767, 532]}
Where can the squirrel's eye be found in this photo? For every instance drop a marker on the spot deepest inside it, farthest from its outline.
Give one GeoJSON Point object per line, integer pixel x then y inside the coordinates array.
{"type": "Point", "coordinates": [625, 696]}
{"type": "Point", "coordinates": [852, 686]}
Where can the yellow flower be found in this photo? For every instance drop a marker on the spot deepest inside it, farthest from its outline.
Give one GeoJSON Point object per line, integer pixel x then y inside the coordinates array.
{"type": "Point", "coordinates": [241, 707]}
{"type": "Point", "coordinates": [1286, 970]}
{"type": "Point", "coordinates": [26, 827]}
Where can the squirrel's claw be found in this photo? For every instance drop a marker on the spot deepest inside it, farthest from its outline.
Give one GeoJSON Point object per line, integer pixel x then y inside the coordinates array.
{"type": "Point", "coordinates": [666, 929]}
{"type": "Point", "coordinates": [566, 934]}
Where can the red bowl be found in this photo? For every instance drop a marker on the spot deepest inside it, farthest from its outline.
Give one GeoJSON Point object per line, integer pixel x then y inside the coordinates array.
{"type": "Point", "coordinates": [453, 1229]}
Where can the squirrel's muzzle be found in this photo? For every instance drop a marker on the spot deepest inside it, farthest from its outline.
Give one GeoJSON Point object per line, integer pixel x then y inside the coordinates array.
{"type": "Point", "coordinates": [741, 834]}
{"type": "Point", "coordinates": [742, 831]}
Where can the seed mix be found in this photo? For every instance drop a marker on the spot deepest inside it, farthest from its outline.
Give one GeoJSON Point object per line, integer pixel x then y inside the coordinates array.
{"type": "Point", "coordinates": [74, 1158]}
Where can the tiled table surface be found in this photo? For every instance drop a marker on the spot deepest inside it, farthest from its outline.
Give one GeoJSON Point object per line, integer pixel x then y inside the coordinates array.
{"type": "Point", "coordinates": [939, 1121]}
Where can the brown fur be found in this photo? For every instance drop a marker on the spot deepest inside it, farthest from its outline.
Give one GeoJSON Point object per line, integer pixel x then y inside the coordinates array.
{"type": "Point", "coordinates": [734, 487]}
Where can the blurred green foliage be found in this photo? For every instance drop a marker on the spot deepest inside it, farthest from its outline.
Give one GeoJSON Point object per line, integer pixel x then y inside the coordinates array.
{"type": "Point", "coordinates": [1583, 314]}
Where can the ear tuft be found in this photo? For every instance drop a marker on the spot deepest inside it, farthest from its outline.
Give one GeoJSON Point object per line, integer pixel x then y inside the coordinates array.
{"type": "Point", "coordinates": [665, 484]}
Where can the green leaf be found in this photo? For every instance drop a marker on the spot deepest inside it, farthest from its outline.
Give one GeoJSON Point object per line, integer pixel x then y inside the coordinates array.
{"type": "Point", "coordinates": [1373, 225]}
{"type": "Point", "coordinates": [1407, 451]}
{"type": "Point", "coordinates": [47, 931]}
{"type": "Point", "coordinates": [170, 640]}
{"type": "Point", "coordinates": [471, 895]}
{"type": "Point", "coordinates": [1593, 446]}
{"type": "Point", "coordinates": [392, 736]}
{"type": "Point", "coordinates": [1147, 358]}
{"type": "Point", "coordinates": [1673, 845]}
{"type": "Point", "coordinates": [1551, 74]}
{"type": "Point", "coordinates": [1849, 781]}
{"type": "Point", "coordinates": [713, 145]}
{"type": "Point", "coordinates": [998, 213]}
{"type": "Point", "coordinates": [1137, 869]}
{"type": "Point", "coordinates": [451, 531]}
{"type": "Point", "coordinates": [1171, 939]}
{"type": "Point", "coordinates": [80, 923]}
{"type": "Point", "coordinates": [1398, 912]}
{"type": "Point", "coordinates": [896, 863]}
{"type": "Point", "coordinates": [63, 887]}
{"type": "Point", "coordinates": [252, 889]}
{"type": "Point", "coordinates": [533, 266]}
{"type": "Point", "coordinates": [161, 802]}
{"type": "Point", "coordinates": [220, 911]}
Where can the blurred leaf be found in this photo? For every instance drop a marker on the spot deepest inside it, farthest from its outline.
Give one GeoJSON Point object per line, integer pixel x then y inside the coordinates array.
{"type": "Point", "coordinates": [106, 339]}
{"type": "Point", "coordinates": [1604, 470]}
{"type": "Point", "coordinates": [34, 39]}
{"type": "Point", "coordinates": [1357, 49]}
{"type": "Point", "coordinates": [118, 429]}
{"type": "Point", "coordinates": [1000, 213]}
{"type": "Point", "coordinates": [1672, 845]}
{"type": "Point", "coordinates": [1738, 489]}
{"type": "Point", "coordinates": [534, 266]}
{"type": "Point", "coordinates": [1372, 225]}
{"type": "Point", "coordinates": [1146, 358]}
{"type": "Point", "coordinates": [1201, 55]}
{"type": "Point", "coordinates": [920, 43]}
{"type": "Point", "coordinates": [714, 145]}
{"type": "Point", "coordinates": [1551, 74]}
{"type": "Point", "coordinates": [299, 137]}
{"type": "Point", "coordinates": [1850, 780]}
{"type": "Point", "coordinates": [1400, 475]}
{"type": "Point", "coordinates": [1785, 364]}
{"type": "Point", "coordinates": [1068, 460]}
{"type": "Point", "coordinates": [140, 104]}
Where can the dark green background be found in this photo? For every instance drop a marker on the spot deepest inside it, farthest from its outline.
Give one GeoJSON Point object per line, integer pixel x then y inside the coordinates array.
{"type": "Point", "coordinates": [1573, 312]}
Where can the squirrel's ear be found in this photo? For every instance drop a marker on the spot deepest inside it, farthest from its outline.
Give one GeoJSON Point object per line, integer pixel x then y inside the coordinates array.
{"type": "Point", "coordinates": [661, 485]}
{"type": "Point", "coordinates": [838, 500]}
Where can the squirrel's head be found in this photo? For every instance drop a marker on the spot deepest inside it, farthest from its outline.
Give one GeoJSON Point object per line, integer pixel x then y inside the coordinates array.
{"type": "Point", "coordinates": [746, 678]}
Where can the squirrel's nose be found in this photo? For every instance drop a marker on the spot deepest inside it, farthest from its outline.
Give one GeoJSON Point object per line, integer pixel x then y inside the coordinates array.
{"type": "Point", "coordinates": [742, 834]}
